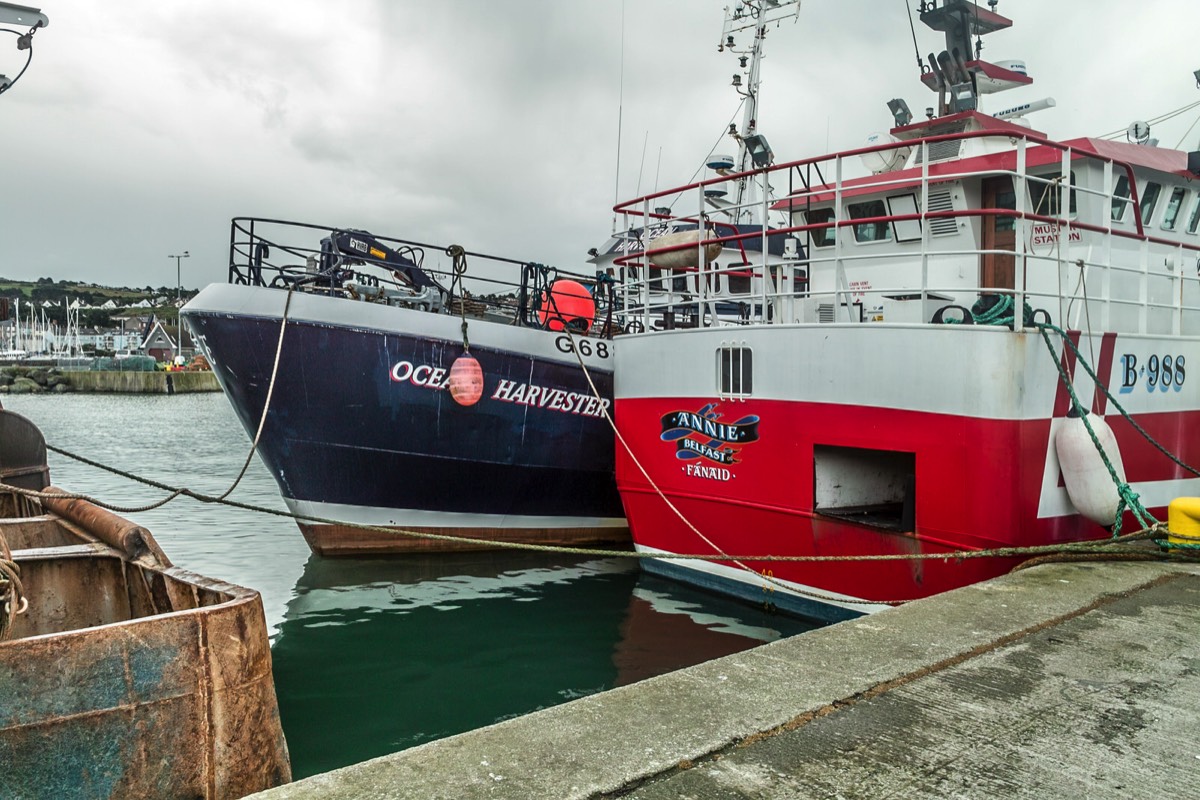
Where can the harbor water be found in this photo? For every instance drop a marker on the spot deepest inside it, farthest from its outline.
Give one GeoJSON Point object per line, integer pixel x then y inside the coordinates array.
{"type": "Point", "coordinates": [372, 656]}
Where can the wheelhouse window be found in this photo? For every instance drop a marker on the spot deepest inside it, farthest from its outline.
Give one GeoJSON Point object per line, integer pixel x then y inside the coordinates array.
{"type": "Point", "coordinates": [1120, 198]}
{"type": "Point", "coordinates": [735, 370]}
{"type": "Point", "coordinates": [1174, 206]}
{"type": "Point", "coordinates": [880, 231]}
{"type": "Point", "coordinates": [1150, 200]}
{"type": "Point", "coordinates": [1045, 195]}
{"type": "Point", "coordinates": [822, 237]}
{"type": "Point", "coordinates": [1194, 220]}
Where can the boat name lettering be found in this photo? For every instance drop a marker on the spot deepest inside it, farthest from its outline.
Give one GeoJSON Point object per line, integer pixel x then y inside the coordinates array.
{"type": "Point", "coordinates": [1045, 233]}
{"type": "Point", "coordinates": [702, 434]}
{"type": "Point", "coordinates": [421, 375]}
{"type": "Point", "coordinates": [1160, 373]}
{"type": "Point", "coordinates": [560, 400]}
{"type": "Point", "coordinates": [711, 473]}
{"type": "Point", "coordinates": [738, 433]}
{"type": "Point", "coordinates": [586, 347]}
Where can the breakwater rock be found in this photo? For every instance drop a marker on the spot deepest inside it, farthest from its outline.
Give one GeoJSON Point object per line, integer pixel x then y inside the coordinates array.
{"type": "Point", "coordinates": [29, 380]}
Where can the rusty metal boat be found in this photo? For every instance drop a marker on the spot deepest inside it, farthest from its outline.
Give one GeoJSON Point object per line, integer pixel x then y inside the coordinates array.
{"type": "Point", "coordinates": [125, 676]}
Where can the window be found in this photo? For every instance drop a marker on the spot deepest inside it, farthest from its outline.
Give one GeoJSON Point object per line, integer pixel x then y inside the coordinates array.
{"type": "Point", "coordinates": [1171, 215]}
{"type": "Point", "coordinates": [904, 205]}
{"type": "Point", "coordinates": [1194, 221]}
{"type": "Point", "coordinates": [1046, 198]}
{"type": "Point", "coordinates": [1149, 200]}
{"type": "Point", "coordinates": [1120, 195]}
{"type": "Point", "coordinates": [735, 370]}
{"type": "Point", "coordinates": [822, 237]}
{"type": "Point", "coordinates": [870, 231]}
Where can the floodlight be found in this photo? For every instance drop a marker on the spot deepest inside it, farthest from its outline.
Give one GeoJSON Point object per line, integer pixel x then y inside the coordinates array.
{"type": "Point", "coordinates": [760, 151]}
{"type": "Point", "coordinates": [900, 111]}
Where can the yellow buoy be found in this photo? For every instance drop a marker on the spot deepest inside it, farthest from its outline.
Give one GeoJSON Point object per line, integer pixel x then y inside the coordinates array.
{"type": "Point", "coordinates": [1183, 521]}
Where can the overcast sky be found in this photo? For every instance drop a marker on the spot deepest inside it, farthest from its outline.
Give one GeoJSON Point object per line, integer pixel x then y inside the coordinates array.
{"type": "Point", "coordinates": [142, 126]}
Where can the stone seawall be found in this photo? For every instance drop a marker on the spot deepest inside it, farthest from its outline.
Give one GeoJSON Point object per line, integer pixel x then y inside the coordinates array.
{"type": "Point", "coordinates": [143, 382]}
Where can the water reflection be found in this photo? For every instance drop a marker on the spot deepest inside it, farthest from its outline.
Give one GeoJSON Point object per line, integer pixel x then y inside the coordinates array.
{"type": "Point", "coordinates": [374, 656]}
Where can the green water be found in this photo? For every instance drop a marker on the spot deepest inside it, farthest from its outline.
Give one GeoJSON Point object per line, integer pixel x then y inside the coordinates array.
{"type": "Point", "coordinates": [374, 656]}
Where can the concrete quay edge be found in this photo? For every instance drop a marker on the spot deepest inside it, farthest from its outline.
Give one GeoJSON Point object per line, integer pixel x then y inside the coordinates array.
{"type": "Point", "coordinates": [602, 743]}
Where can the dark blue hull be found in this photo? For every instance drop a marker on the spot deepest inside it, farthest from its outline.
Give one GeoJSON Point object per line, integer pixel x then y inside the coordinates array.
{"type": "Point", "coordinates": [361, 427]}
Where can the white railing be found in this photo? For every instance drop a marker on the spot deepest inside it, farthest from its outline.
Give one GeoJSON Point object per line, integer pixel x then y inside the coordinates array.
{"type": "Point", "coordinates": [1116, 276]}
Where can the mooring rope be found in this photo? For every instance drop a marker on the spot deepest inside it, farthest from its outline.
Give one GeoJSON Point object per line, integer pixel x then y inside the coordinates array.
{"type": "Point", "coordinates": [12, 592]}
{"type": "Point", "coordinates": [458, 262]}
{"type": "Point", "coordinates": [1108, 548]}
{"type": "Point", "coordinates": [262, 421]}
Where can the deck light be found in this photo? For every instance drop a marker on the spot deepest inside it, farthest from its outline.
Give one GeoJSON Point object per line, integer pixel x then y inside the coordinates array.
{"type": "Point", "coordinates": [760, 151]}
{"type": "Point", "coordinates": [962, 97]}
{"type": "Point", "coordinates": [900, 111]}
{"type": "Point", "coordinates": [1197, 74]}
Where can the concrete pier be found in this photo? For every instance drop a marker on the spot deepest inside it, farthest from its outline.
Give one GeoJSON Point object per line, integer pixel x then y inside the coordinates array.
{"type": "Point", "coordinates": [1062, 680]}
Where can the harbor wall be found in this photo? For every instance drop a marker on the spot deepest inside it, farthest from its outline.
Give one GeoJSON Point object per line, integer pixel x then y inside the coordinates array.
{"type": "Point", "coordinates": [997, 680]}
{"type": "Point", "coordinates": [144, 382]}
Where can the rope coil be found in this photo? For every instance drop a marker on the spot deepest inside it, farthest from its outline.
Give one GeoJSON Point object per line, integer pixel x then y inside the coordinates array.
{"type": "Point", "coordinates": [13, 601]}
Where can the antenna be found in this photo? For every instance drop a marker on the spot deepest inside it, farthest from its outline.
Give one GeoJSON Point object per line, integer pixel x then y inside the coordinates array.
{"type": "Point", "coordinates": [620, 114]}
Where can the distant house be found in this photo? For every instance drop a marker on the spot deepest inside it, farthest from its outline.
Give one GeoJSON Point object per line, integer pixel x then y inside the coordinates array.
{"type": "Point", "coordinates": [158, 343]}
{"type": "Point", "coordinates": [109, 305]}
{"type": "Point", "coordinates": [142, 304]}
{"type": "Point", "coordinates": [136, 325]}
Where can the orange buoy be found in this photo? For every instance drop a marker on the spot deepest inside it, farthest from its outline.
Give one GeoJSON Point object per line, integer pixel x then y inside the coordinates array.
{"type": "Point", "coordinates": [567, 303]}
{"type": "Point", "coordinates": [466, 380]}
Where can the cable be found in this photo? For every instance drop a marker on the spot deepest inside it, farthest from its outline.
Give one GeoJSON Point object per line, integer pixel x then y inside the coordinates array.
{"type": "Point", "coordinates": [29, 40]}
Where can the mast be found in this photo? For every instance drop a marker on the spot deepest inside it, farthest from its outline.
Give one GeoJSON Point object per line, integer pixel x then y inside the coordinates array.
{"type": "Point", "coordinates": [754, 15]}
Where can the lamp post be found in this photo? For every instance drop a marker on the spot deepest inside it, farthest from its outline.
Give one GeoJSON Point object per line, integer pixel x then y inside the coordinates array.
{"type": "Point", "coordinates": [178, 298]}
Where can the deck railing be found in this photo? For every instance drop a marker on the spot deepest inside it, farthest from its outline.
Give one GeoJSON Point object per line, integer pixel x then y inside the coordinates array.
{"type": "Point", "coordinates": [289, 255]}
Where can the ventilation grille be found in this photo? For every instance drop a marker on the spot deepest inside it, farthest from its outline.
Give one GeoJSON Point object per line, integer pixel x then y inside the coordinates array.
{"type": "Point", "coordinates": [825, 312]}
{"type": "Point", "coordinates": [940, 151]}
{"type": "Point", "coordinates": [942, 200]}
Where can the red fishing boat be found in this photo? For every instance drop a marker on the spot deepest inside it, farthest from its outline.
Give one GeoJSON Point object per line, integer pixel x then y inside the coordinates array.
{"type": "Point", "coordinates": [968, 314]}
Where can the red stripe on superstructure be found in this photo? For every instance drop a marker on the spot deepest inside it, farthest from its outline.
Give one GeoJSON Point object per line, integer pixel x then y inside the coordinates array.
{"type": "Point", "coordinates": [1062, 398]}
{"type": "Point", "coordinates": [1108, 343]}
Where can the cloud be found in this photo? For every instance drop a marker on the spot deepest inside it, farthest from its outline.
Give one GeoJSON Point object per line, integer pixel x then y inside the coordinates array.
{"type": "Point", "coordinates": [142, 127]}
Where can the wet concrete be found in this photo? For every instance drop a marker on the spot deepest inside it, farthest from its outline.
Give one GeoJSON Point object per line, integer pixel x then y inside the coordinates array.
{"type": "Point", "coordinates": [1064, 680]}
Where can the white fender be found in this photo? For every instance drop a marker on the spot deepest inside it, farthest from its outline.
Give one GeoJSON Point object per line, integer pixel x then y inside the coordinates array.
{"type": "Point", "coordinates": [1089, 484]}
{"type": "Point", "coordinates": [678, 259]}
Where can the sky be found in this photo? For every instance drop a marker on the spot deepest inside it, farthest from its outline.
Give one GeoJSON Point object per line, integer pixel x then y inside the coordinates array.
{"type": "Point", "coordinates": [142, 127]}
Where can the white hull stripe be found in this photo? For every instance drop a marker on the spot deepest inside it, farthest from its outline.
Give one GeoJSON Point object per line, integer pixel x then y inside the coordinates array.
{"type": "Point", "coordinates": [402, 518]}
{"type": "Point", "coordinates": [758, 582]}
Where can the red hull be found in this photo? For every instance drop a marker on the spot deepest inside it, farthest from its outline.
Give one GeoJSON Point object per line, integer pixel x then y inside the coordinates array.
{"type": "Point", "coordinates": [978, 484]}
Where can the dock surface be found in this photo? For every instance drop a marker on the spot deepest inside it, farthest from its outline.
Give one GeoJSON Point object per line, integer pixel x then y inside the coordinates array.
{"type": "Point", "coordinates": [1062, 680]}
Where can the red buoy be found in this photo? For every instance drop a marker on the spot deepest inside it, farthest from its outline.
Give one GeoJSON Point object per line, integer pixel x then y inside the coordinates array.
{"type": "Point", "coordinates": [466, 380]}
{"type": "Point", "coordinates": [567, 303]}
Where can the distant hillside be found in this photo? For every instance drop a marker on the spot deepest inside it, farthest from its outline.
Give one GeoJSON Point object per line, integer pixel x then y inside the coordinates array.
{"type": "Point", "coordinates": [90, 296]}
